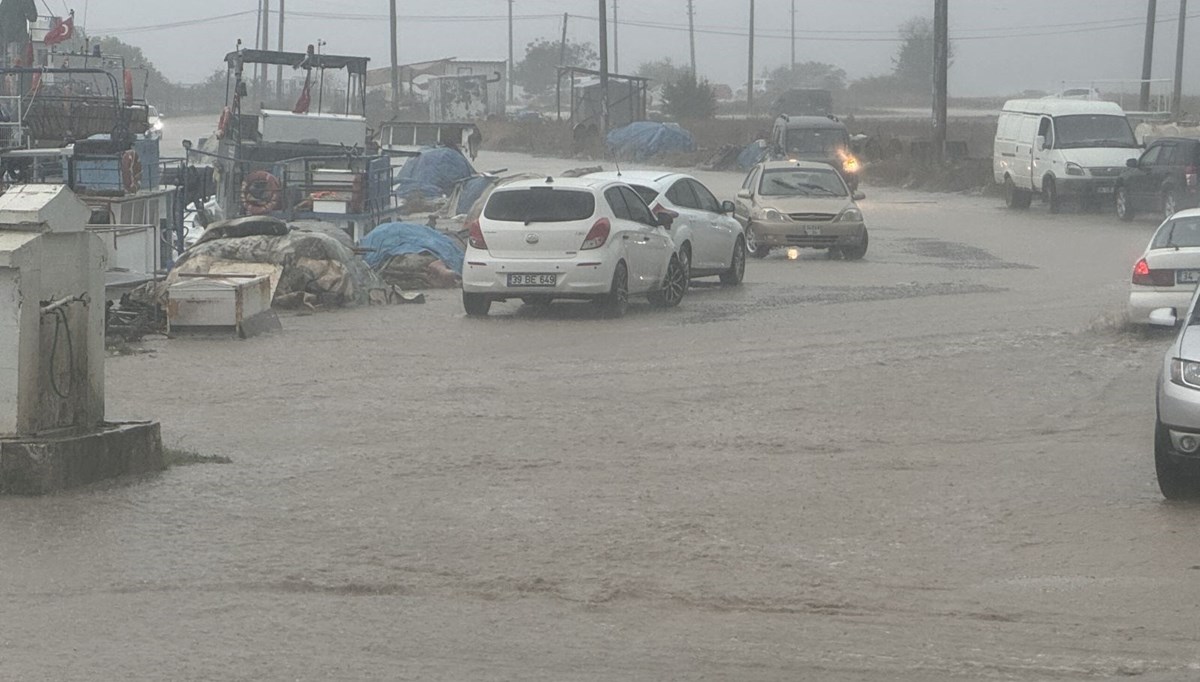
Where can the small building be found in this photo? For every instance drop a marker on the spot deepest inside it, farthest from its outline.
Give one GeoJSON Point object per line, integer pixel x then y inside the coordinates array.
{"type": "Point", "coordinates": [415, 79]}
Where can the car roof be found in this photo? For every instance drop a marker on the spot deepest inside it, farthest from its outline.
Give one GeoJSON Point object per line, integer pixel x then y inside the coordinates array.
{"type": "Point", "coordinates": [586, 182]}
{"type": "Point", "coordinates": [643, 177]}
{"type": "Point", "coordinates": [813, 122]}
{"type": "Point", "coordinates": [1173, 140]}
{"type": "Point", "coordinates": [1051, 106]}
{"type": "Point", "coordinates": [1187, 213]}
{"type": "Point", "coordinates": [801, 164]}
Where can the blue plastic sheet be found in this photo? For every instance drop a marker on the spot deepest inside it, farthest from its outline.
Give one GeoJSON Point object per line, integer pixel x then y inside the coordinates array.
{"type": "Point", "coordinates": [645, 139]}
{"type": "Point", "coordinates": [471, 191]}
{"type": "Point", "coordinates": [433, 172]}
{"type": "Point", "coordinates": [751, 155]}
{"type": "Point", "coordinates": [394, 239]}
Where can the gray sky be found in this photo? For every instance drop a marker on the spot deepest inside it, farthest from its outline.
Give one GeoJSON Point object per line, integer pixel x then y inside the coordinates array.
{"type": "Point", "coordinates": [1001, 46]}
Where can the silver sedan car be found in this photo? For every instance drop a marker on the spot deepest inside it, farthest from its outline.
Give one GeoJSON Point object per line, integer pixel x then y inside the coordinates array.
{"type": "Point", "coordinates": [1177, 422]}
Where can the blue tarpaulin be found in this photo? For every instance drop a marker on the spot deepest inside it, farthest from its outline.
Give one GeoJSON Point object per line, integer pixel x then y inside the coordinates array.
{"type": "Point", "coordinates": [751, 155]}
{"type": "Point", "coordinates": [394, 239]}
{"type": "Point", "coordinates": [433, 172]}
{"type": "Point", "coordinates": [471, 191]}
{"type": "Point", "coordinates": [645, 139]}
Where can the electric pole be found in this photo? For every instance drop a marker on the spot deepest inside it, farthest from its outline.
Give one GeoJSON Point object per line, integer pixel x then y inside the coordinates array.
{"type": "Point", "coordinates": [1148, 53]}
{"type": "Point", "coordinates": [562, 46]}
{"type": "Point", "coordinates": [603, 68]}
{"type": "Point", "coordinates": [692, 33]}
{"type": "Point", "coordinates": [395, 58]}
{"type": "Point", "coordinates": [279, 69]}
{"type": "Point", "coordinates": [750, 69]}
{"type": "Point", "coordinates": [266, 45]}
{"type": "Point", "coordinates": [616, 40]}
{"type": "Point", "coordinates": [511, 63]}
{"type": "Point", "coordinates": [941, 68]}
{"type": "Point", "coordinates": [1177, 94]}
{"type": "Point", "coordinates": [793, 35]}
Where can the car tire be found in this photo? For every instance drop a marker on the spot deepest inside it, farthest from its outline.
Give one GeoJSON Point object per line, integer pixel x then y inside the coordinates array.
{"type": "Point", "coordinates": [1175, 479]}
{"type": "Point", "coordinates": [674, 286]}
{"type": "Point", "coordinates": [1170, 204]}
{"type": "Point", "coordinates": [737, 265]}
{"type": "Point", "coordinates": [857, 251]}
{"type": "Point", "coordinates": [1124, 209]}
{"type": "Point", "coordinates": [476, 305]}
{"type": "Point", "coordinates": [615, 303]}
{"type": "Point", "coordinates": [754, 247]}
{"type": "Point", "coordinates": [685, 260]}
{"type": "Point", "coordinates": [1050, 193]}
{"type": "Point", "coordinates": [1016, 198]}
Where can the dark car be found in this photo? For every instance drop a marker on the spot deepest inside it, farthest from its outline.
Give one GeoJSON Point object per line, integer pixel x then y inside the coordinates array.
{"type": "Point", "coordinates": [815, 138]}
{"type": "Point", "coordinates": [1162, 181]}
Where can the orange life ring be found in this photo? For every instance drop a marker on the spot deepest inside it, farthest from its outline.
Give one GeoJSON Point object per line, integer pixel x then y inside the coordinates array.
{"type": "Point", "coordinates": [131, 171]}
{"type": "Point", "coordinates": [261, 193]}
{"type": "Point", "coordinates": [223, 123]}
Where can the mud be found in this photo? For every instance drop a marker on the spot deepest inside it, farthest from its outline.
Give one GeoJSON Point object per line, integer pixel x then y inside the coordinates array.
{"type": "Point", "coordinates": [882, 470]}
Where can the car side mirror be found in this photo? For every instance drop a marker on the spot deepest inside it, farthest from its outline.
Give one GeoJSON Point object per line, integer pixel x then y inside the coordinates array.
{"type": "Point", "coordinates": [859, 196]}
{"type": "Point", "coordinates": [1131, 163]}
{"type": "Point", "coordinates": [1163, 317]}
{"type": "Point", "coordinates": [728, 207]}
{"type": "Point", "coordinates": [744, 194]}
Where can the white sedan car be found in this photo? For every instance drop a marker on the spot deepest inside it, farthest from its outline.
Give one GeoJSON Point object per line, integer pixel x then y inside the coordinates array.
{"type": "Point", "coordinates": [1166, 274]}
{"type": "Point", "coordinates": [711, 242]}
{"type": "Point", "coordinates": [573, 238]}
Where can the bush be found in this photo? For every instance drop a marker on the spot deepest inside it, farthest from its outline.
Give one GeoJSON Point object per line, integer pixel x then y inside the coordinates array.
{"type": "Point", "coordinates": [688, 99]}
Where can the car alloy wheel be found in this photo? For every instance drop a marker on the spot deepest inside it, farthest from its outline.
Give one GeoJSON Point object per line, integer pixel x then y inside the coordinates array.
{"type": "Point", "coordinates": [674, 286]}
{"type": "Point", "coordinates": [1170, 205]}
{"type": "Point", "coordinates": [616, 302]}
{"type": "Point", "coordinates": [737, 265]}
{"type": "Point", "coordinates": [1124, 210]}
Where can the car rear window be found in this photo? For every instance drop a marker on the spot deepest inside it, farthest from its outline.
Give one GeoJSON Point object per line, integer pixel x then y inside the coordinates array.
{"type": "Point", "coordinates": [540, 205]}
{"type": "Point", "coordinates": [1180, 232]}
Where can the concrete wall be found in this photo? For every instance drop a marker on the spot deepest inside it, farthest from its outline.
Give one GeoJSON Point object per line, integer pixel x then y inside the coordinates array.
{"type": "Point", "coordinates": [10, 318]}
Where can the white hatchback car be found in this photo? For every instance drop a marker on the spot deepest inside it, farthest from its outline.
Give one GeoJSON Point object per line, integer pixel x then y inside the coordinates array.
{"type": "Point", "coordinates": [711, 242]}
{"type": "Point", "coordinates": [572, 238]}
{"type": "Point", "coordinates": [1167, 272]}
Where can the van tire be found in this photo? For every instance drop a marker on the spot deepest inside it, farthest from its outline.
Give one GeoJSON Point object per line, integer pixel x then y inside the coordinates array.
{"type": "Point", "coordinates": [1050, 193]}
{"type": "Point", "coordinates": [1170, 204]}
{"type": "Point", "coordinates": [1125, 210]}
{"type": "Point", "coordinates": [1016, 198]}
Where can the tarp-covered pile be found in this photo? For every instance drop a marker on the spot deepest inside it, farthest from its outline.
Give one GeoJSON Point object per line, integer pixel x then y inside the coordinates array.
{"type": "Point", "coordinates": [752, 154]}
{"type": "Point", "coordinates": [413, 256]}
{"type": "Point", "coordinates": [432, 173]}
{"type": "Point", "coordinates": [645, 139]}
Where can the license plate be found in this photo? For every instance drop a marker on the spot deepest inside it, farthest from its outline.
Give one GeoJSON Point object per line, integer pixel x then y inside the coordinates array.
{"type": "Point", "coordinates": [812, 231]}
{"type": "Point", "coordinates": [1104, 190]}
{"type": "Point", "coordinates": [536, 280]}
{"type": "Point", "coordinates": [1187, 276]}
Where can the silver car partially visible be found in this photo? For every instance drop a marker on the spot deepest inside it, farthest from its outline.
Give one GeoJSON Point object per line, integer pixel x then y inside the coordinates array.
{"type": "Point", "coordinates": [1177, 413]}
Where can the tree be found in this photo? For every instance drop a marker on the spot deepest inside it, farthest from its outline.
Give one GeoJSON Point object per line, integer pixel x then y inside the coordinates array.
{"type": "Point", "coordinates": [662, 71]}
{"type": "Point", "coordinates": [913, 63]}
{"type": "Point", "coordinates": [538, 72]}
{"type": "Point", "coordinates": [809, 75]}
{"type": "Point", "coordinates": [689, 99]}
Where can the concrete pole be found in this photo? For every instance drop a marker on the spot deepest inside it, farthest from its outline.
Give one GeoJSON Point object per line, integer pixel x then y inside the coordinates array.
{"type": "Point", "coordinates": [279, 69]}
{"type": "Point", "coordinates": [604, 67]}
{"type": "Point", "coordinates": [266, 45]}
{"type": "Point", "coordinates": [692, 33]}
{"type": "Point", "coordinates": [562, 45]}
{"type": "Point", "coordinates": [1148, 54]}
{"type": "Point", "coordinates": [793, 35]}
{"type": "Point", "coordinates": [395, 57]}
{"type": "Point", "coordinates": [941, 67]}
{"type": "Point", "coordinates": [750, 68]}
{"type": "Point", "coordinates": [1177, 94]}
{"type": "Point", "coordinates": [616, 40]}
{"type": "Point", "coordinates": [511, 63]}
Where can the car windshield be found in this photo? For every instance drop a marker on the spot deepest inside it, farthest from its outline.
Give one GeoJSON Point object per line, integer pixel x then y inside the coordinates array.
{"type": "Point", "coordinates": [1178, 233]}
{"type": "Point", "coordinates": [802, 182]}
{"type": "Point", "coordinates": [540, 205]}
{"type": "Point", "coordinates": [648, 194]}
{"type": "Point", "coordinates": [1093, 130]}
{"type": "Point", "coordinates": [824, 141]}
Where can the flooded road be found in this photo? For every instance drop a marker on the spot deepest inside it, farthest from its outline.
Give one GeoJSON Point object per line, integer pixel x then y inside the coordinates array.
{"type": "Point", "coordinates": [931, 464]}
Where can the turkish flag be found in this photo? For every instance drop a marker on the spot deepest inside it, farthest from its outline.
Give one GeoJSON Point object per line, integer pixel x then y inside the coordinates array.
{"type": "Point", "coordinates": [62, 31]}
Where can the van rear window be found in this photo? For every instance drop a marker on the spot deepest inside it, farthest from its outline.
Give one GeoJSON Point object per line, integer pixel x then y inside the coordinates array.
{"type": "Point", "coordinates": [540, 205]}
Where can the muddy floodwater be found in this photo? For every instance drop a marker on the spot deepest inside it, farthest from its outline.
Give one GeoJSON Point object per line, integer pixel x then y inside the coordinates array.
{"type": "Point", "coordinates": [933, 464]}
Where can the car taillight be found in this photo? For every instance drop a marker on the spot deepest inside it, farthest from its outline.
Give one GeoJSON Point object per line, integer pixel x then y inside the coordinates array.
{"type": "Point", "coordinates": [597, 235]}
{"type": "Point", "coordinates": [475, 235]}
{"type": "Point", "coordinates": [1143, 275]}
{"type": "Point", "coordinates": [1189, 175]}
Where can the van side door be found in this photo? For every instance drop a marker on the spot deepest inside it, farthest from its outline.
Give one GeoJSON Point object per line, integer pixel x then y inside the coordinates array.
{"type": "Point", "coordinates": [1022, 172]}
{"type": "Point", "coordinates": [1044, 159]}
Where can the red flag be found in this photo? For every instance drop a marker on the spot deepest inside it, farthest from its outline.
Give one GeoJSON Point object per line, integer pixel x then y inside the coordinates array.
{"type": "Point", "coordinates": [305, 99]}
{"type": "Point", "coordinates": [62, 30]}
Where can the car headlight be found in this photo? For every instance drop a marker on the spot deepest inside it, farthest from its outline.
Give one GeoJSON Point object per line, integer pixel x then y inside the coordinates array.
{"type": "Point", "coordinates": [770, 214]}
{"type": "Point", "coordinates": [1185, 373]}
{"type": "Point", "coordinates": [1074, 169]}
{"type": "Point", "coordinates": [850, 215]}
{"type": "Point", "coordinates": [850, 164]}
{"type": "Point", "coordinates": [158, 125]}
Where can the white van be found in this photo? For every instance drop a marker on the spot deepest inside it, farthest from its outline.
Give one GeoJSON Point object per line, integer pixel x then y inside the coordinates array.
{"type": "Point", "coordinates": [1060, 147]}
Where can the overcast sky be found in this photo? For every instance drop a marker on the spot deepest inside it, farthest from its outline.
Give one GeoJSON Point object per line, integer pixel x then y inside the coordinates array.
{"type": "Point", "coordinates": [1001, 46]}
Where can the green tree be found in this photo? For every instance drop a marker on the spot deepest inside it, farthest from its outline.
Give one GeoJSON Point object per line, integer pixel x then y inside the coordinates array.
{"type": "Point", "coordinates": [913, 63]}
{"type": "Point", "coordinates": [688, 99]}
{"type": "Point", "coordinates": [662, 70]}
{"type": "Point", "coordinates": [809, 75]}
{"type": "Point", "coordinates": [538, 71]}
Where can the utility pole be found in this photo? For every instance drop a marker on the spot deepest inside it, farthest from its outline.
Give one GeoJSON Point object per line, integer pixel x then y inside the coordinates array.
{"type": "Point", "coordinates": [941, 68]}
{"type": "Point", "coordinates": [616, 40]}
{"type": "Point", "coordinates": [1177, 94]}
{"type": "Point", "coordinates": [793, 35]}
{"type": "Point", "coordinates": [692, 33]}
{"type": "Point", "coordinates": [1148, 53]}
{"type": "Point", "coordinates": [603, 68]}
{"type": "Point", "coordinates": [395, 58]}
{"type": "Point", "coordinates": [562, 45]}
{"type": "Point", "coordinates": [750, 69]}
{"type": "Point", "coordinates": [266, 45]}
{"type": "Point", "coordinates": [511, 63]}
{"type": "Point", "coordinates": [279, 69]}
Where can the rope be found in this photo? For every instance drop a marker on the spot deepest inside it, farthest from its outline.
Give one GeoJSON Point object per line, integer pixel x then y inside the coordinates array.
{"type": "Point", "coordinates": [60, 321]}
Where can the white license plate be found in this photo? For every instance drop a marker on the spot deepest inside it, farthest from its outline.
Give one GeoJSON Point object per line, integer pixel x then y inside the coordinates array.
{"type": "Point", "coordinates": [534, 280]}
{"type": "Point", "coordinates": [1187, 276]}
{"type": "Point", "coordinates": [1104, 190]}
{"type": "Point", "coordinates": [812, 231]}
